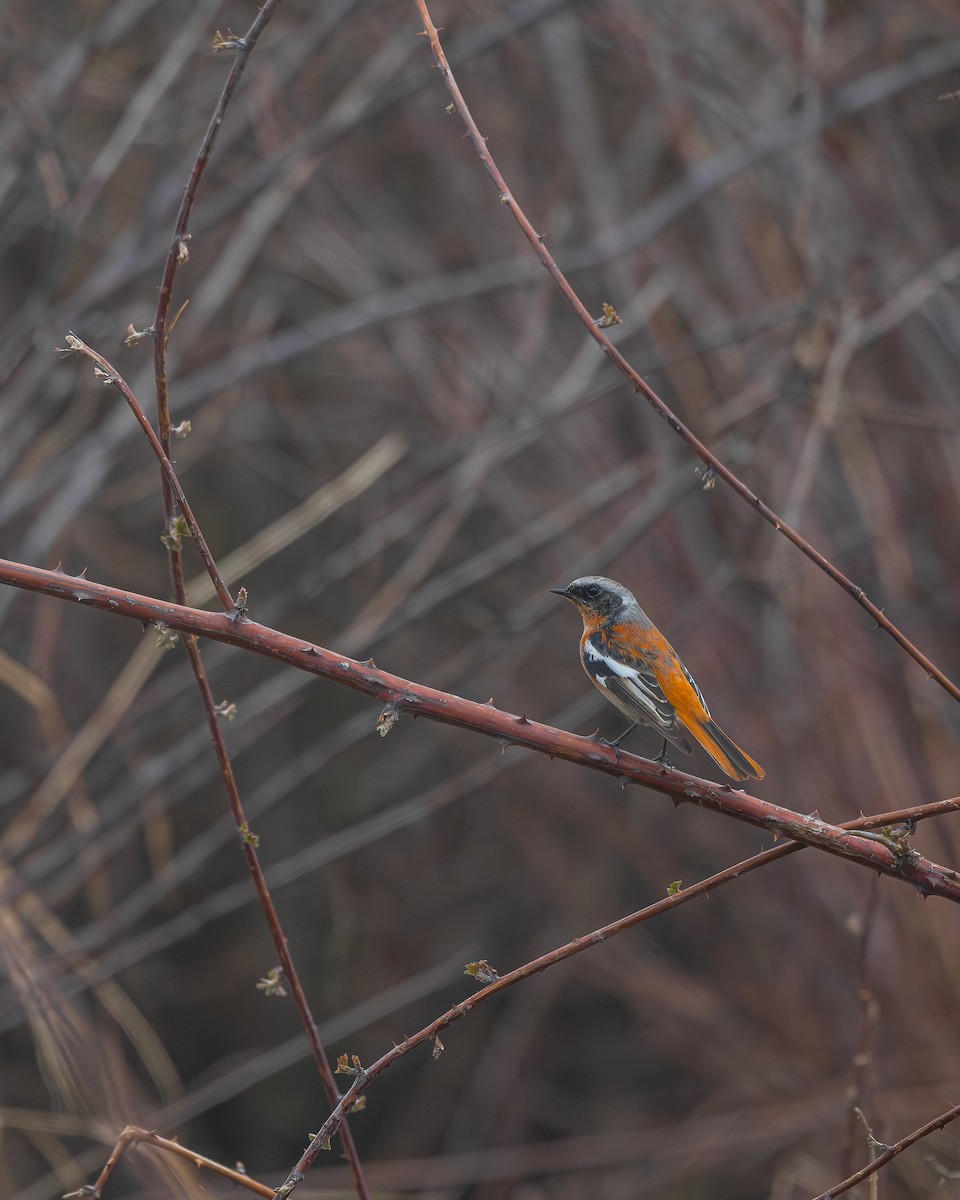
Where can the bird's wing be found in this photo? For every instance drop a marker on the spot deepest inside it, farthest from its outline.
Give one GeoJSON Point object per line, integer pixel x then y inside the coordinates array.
{"type": "Point", "coordinates": [636, 692]}
{"type": "Point", "coordinates": [693, 683]}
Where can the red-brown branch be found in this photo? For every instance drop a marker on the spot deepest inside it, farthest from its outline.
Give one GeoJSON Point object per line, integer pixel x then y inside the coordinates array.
{"type": "Point", "coordinates": [508, 200]}
{"type": "Point", "coordinates": [430, 1032]}
{"type": "Point", "coordinates": [891, 1152]}
{"type": "Point", "coordinates": [176, 255]}
{"type": "Point", "coordinates": [874, 851]}
{"type": "Point", "coordinates": [112, 376]}
{"type": "Point", "coordinates": [133, 1136]}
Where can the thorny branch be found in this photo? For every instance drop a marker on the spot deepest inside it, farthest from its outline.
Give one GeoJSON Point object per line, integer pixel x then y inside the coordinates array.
{"type": "Point", "coordinates": [496, 984]}
{"type": "Point", "coordinates": [177, 255]}
{"type": "Point", "coordinates": [887, 854]}
{"type": "Point", "coordinates": [110, 375]}
{"type": "Point", "coordinates": [596, 331]}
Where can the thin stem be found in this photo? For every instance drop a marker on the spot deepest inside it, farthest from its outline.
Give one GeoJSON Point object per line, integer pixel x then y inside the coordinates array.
{"type": "Point", "coordinates": [367, 1074]}
{"type": "Point", "coordinates": [178, 254]}
{"type": "Point", "coordinates": [133, 1136]}
{"type": "Point", "coordinates": [249, 842]}
{"type": "Point", "coordinates": [640, 384]}
{"type": "Point", "coordinates": [891, 1152]}
{"type": "Point", "coordinates": [866, 1002]}
{"type": "Point", "coordinates": [112, 376]}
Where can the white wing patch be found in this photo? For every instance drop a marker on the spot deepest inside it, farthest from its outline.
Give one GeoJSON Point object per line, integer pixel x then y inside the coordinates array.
{"type": "Point", "coordinates": [636, 693]}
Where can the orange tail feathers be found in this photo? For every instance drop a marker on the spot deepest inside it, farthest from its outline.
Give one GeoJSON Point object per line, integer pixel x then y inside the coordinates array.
{"type": "Point", "coordinates": [726, 754]}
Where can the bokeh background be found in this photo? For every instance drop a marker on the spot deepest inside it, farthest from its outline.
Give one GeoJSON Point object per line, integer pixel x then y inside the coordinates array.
{"type": "Point", "coordinates": [767, 192]}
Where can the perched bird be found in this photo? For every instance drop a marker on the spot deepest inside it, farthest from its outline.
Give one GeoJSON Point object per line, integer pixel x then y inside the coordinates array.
{"type": "Point", "coordinates": [637, 669]}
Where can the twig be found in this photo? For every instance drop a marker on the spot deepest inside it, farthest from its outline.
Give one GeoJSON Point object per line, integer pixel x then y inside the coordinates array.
{"type": "Point", "coordinates": [868, 1008]}
{"type": "Point", "coordinates": [639, 383]}
{"type": "Point", "coordinates": [365, 1076]}
{"type": "Point", "coordinates": [178, 254]}
{"type": "Point", "coordinates": [290, 974]}
{"type": "Point", "coordinates": [133, 1136]}
{"type": "Point", "coordinates": [109, 374]}
{"type": "Point", "coordinates": [891, 1152]}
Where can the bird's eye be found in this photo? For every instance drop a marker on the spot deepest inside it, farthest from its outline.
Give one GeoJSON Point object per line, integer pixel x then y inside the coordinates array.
{"type": "Point", "coordinates": [591, 592]}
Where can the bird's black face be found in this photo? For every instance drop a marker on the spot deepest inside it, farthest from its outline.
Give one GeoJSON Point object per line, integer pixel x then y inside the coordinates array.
{"type": "Point", "coordinates": [592, 595]}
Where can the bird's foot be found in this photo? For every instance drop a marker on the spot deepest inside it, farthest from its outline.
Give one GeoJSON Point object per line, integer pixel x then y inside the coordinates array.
{"type": "Point", "coordinates": [663, 758]}
{"type": "Point", "coordinates": [615, 743]}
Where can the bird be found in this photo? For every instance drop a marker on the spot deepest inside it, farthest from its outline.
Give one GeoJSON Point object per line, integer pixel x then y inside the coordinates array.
{"type": "Point", "coordinates": [639, 672]}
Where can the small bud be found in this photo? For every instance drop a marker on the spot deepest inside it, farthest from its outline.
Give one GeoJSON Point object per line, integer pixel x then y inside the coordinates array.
{"type": "Point", "coordinates": [166, 637]}
{"type": "Point", "coordinates": [387, 719]}
{"type": "Point", "coordinates": [177, 530]}
{"type": "Point", "coordinates": [272, 985]}
{"type": "Point", "coordinates": [230, 42]}
{"type": "Point", "coordinates": [349, 1065]}
{"type": "Point", "coordinates": [482, 972]}
{"type": "Point", "coordinates": [136, 335]}
{"type": "Point", "coordinates": [610, 317]}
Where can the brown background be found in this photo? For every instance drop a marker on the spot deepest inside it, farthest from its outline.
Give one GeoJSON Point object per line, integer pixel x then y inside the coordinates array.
{"type": "Point", "coordinates": [768, 194]}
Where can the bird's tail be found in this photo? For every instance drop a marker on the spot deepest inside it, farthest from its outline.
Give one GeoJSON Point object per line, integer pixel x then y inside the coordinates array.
{"type": "Point", "coordinates": [726, 754]}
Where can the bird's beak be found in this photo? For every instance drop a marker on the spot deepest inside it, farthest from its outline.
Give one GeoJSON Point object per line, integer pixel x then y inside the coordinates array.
{"type": "Point", "coordinates": [561, 592]}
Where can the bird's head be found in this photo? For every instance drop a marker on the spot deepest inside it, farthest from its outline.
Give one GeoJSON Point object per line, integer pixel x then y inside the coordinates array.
{"type": "Point", "coordinates": [598, 597]}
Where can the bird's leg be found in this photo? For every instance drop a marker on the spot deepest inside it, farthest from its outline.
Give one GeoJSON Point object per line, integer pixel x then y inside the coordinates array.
{"type": "Point", "coordinates": [662, 756]}
{"type": "Point", "coordinates": [616, 741]}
